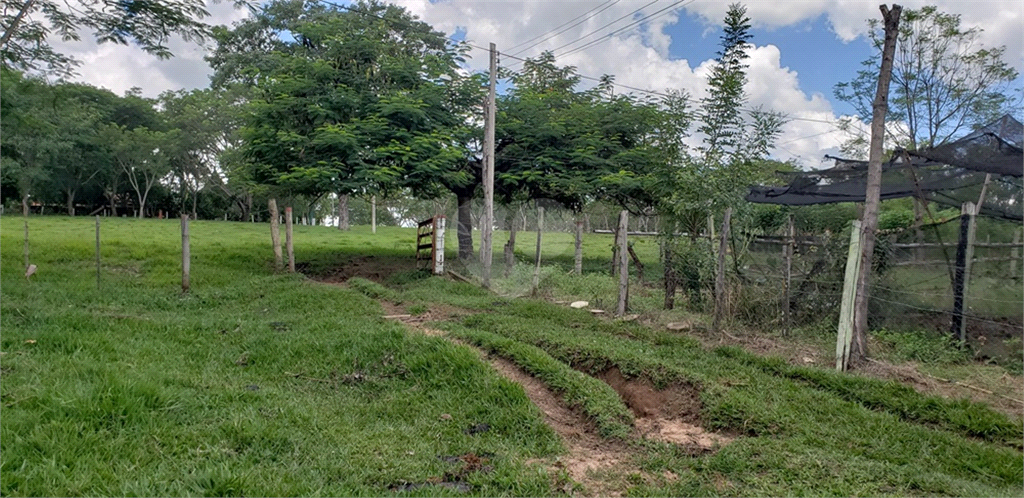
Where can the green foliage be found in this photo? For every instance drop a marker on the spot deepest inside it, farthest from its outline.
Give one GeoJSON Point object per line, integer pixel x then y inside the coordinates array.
{"type": "Point", "coordinates": [943, 82]}
{"type": "Point", "coordinates": [148, 25]}
{"type": "Point", "coordinates": [919, 345]}
{"type": "Point", "coordinates": [354, 101]}
{"type": "Point", "coordinates": [572, 146]}
{"type": "Point", "coordinates": [895, 219]}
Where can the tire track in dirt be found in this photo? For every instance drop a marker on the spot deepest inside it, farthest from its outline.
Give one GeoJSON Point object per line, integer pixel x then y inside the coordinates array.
{"type": "Point", "coordinates": [596, 464]}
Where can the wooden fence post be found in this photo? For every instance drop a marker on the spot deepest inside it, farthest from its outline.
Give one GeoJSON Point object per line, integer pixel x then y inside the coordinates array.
{"type": "Point", "coordinates": [186, 254]}
{"type": "Point", "coordinates": [620, 310]}
{"type": "Point", "coordinates": [1015, 253]}
{"type": "Point", "coordinates": [578, 261]}
{"type": "Point", "coordinates": [720, 291]}
{"type": "Point", "coordinates": [275, 233]}
{"type": "Point", "coordinates": [288, 239]}
{"type": "Point", "coordinates": [670, 273]}
{"type": "Point", "coordinates": [439, 228]}
{"type": "Point", "coordinates": [536, 268]}
{"type": "Point", "coordinates": [26, 242]}
{"type": "Point", "coordinates": [844, 337]}
{"type": "Point", "coordinates": [615, 252]}
{"type": "Point", "coordinates": [787, 254]}
{"type": "Point", "coordinates": [510, 247]}
{"type": "Point", "coordinates": [961, 283]}
{"type": "Point", "coordinates": [97, 251]}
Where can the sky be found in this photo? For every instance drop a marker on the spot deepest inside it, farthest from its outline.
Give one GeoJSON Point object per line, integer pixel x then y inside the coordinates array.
{"type": "Point", "coordinates": [802, 49]}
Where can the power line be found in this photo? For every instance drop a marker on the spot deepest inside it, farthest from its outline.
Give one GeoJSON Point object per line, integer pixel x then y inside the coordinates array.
{"type": "Point", "coordinates": [650, 17]}
{"type": "Point", "coordinates": [546, 38]}
{"type": "Point", "coordinates": [605, 26]}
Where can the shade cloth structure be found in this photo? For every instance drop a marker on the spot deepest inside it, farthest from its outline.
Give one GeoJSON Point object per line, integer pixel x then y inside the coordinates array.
{"type": "Point", "coordinates": [949, 174]}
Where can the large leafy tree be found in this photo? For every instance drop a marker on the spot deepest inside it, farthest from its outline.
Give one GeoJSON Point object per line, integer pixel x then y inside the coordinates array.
{"type": "Point", "coordinates": [28, 25]}
{"type": "Point", "coordinates": [943, 81]}
{"type": "Point", "coordinates": [202, 157]}
{"type": "Point", "coordinates": [142, 155]}
{"type": "Point", "coordinates": [574, 146]}
{"type": "Point", "coordinates": [344, 100]}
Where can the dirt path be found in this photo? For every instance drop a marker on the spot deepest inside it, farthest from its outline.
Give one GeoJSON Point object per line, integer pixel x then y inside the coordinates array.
{"type": "Point", "coordinates": [597, 465]}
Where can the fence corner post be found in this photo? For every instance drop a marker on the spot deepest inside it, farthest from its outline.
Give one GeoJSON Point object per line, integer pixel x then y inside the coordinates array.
{"type": "Point", "coordinates": [844, 337]}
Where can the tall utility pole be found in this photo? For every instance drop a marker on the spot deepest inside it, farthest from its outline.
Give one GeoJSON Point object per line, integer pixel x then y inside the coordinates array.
{"type": "Point", "coordinates": [487, 226]}
{"type": "Point", "coordinates": [869, 225]}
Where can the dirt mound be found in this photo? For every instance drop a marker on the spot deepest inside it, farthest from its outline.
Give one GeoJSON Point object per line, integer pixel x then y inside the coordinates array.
{"type": "Point", "coordinates": [671, 415]}
{"type": "Point", "coordinates": [374, 268]}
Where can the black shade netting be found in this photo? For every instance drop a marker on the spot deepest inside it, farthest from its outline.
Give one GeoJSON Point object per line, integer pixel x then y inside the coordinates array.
{"type": "Point", "coordinates": [950, 174]}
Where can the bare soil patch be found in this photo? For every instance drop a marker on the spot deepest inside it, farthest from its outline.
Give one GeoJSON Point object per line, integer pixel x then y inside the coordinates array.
{"type": "Point", "coordinates": [592, 461]}
{"type": "Point", "coordinates": [670, 415]}
{"type": "Point", "coordinates": [371, 267]}
{"type": "Point", "coordinates": [436, 313]}
{"type": "Point", "coordinates": [596, 464]}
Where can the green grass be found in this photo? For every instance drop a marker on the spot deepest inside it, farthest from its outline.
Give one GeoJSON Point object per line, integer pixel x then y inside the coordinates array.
{"type": "Point", "coordinates": [253, 384]}
{"type": "Point", "coordinates": [598, 400]}
{"type": "Point", "coordinates": [853, 437]}
{"type": "Point", "coordinates": [264, 384]}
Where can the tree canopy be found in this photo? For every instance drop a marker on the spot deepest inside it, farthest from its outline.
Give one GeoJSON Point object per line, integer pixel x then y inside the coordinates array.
{"type": "Point", "coordinates": [943, 81]}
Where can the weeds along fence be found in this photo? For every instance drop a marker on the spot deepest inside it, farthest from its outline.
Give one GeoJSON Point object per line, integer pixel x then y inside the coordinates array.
{"type": "Point", "coordinates": [787, 280]}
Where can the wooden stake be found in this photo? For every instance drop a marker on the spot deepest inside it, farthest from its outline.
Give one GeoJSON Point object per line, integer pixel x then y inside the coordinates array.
{"type": "Point", "coordinates": [623, 254]}
{"type": "Point", "coordinates": [288, 238]}
{"type": "Point", "coordinates": [670, 274]}
{"type": "Point", "coordinates": [186, 255]}
{"type": "Point", "coordinates": [578, 262]}
{"type": "Point", "coordinates": [536, 268]}
{"type": "Point", "coordinates": [891, 18]}
{"type": "Point", "coordinates": [844, 337]}
{"type": "Point", "coordinates": [720, 277]}
{"type": "Point", "coordinates": [487, 224]}
{"type": "Point", "coordinates": [275, 233]}
{"type": "Point", "coordinates": [26, 243]}
{"type": "Point", "coordinates": [97, 251]}
{"type": "Point", "coordinates": [373, 214]}
{"type": "Point", "coordinates": [964, 259]}
{"type": "Point", "coordinates": [1015, 253]}
{"type": "Point", "coordinates": [787, 254]}
{"type": "Point", "coordinates": [510, 246]}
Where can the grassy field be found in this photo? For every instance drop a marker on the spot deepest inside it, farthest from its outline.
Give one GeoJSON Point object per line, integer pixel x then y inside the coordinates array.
{"type": "Point", "coordinates": [264, 384]}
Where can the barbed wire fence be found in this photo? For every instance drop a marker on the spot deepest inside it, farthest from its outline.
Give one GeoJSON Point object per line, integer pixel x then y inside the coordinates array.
{"type": "Point", "coordinates": [789, 280]}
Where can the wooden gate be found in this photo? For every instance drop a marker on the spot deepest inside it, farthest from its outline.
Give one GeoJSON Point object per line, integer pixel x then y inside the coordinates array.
{"type": "Point", "coordinates": [430, 244]}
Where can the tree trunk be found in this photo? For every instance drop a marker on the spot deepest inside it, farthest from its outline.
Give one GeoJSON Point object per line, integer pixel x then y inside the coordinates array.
{"type": "Point", "coordinates": [343, 223]}
{"type": "Point", "coordinates": [195, 195]}
{"type": "Point", "coordinates": [71, 201]}
{"type": "Point", "coordinates": [859, 347]}
{"type": "Point", "coordinates": [465, 234]}
{"type": "Point", "coordinates": [720, 289]}
{"type": "Point", "coordinates": [142, 205]}
{"type": "Point", "coordinates": [24, 205]}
